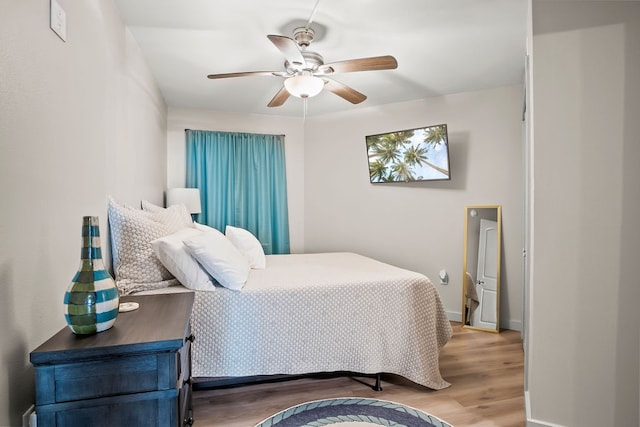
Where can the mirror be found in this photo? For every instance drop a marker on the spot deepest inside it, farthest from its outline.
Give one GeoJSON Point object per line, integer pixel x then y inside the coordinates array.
{"type": "Point", "coordinates": [481, 268]}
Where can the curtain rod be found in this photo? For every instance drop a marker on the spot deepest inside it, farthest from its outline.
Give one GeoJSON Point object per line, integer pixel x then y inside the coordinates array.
{"type": "Point", "coordinates": [224, 131]}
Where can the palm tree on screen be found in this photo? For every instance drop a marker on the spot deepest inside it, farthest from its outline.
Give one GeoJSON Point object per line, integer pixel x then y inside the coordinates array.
{"type": "Point", "coordinates": [396, 156]}
{"type": "Point", "coordinates": [377, 171]}
{"type": "Point", "coordinates": [402, 172]}
{"type": "Point", "coordinates": [415, 155]}
{"type": "Point", "coordinates": [435, 136]}
{"type": "Point", "coordinates": [386, 148]}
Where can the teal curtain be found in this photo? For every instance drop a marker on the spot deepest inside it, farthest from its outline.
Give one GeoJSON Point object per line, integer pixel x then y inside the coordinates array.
{"type": "Point", "coordinates": [242, 182]}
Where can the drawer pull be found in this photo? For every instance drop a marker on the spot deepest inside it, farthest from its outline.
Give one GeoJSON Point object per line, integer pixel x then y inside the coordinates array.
{"type": "Point", "coordinates": [190, 338]}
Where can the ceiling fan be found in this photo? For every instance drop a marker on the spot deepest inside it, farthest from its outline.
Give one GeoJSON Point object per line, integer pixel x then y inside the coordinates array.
{"type": "Point", "coordinates": [305, 72]}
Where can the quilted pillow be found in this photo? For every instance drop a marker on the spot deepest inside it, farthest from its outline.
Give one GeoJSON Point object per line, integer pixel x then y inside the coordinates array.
{"type": "Point", "coordinates": [220, 258]}
{"type": "Point", "coordinates": [248, 245]}
{"type": "Point", "coordinates": [135, 266]}
{"type": "Point", "coordinates": [175, 256]}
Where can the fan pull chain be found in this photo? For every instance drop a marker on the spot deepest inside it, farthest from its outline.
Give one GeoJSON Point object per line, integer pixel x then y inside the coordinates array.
{"type": "Point", "coordinates": [304, 108]}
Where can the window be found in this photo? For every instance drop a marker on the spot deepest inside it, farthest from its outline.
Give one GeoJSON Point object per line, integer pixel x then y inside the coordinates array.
{"type": "Point", "coordinates": [242, 181]}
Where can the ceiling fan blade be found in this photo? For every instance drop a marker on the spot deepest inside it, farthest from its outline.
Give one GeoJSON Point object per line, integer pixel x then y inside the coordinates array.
{"type": "Point", "coordinates": [344, 91]}
{"type": "Point", "coordinates": [289, 49]}
{"type": "Point", "coordinates": [246, 73]}
{"type": "Point", "coordinates": [373, 63]}
{"type": "Point", "coordinates": [279, 98]}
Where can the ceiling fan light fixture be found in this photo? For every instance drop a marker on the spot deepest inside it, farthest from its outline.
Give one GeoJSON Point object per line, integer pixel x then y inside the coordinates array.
{"type": "Point", "coordinates": [304, 85]}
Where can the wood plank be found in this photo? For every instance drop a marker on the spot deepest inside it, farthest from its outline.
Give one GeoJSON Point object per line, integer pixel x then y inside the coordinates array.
{"type": "Point", "coordinates": [486, 372]}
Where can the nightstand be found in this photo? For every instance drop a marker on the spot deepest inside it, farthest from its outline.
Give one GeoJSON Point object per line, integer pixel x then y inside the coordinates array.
{"type": "Point", "coordinates": [136, 373]}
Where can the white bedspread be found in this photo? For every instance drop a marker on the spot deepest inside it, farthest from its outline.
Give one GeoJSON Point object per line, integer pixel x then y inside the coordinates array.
{"type": "Point", "coordinates": [310, 313]}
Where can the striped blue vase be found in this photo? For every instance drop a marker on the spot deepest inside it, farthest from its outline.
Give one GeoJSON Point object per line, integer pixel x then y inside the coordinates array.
{"type": "Point", "coordinates": [91, 301]}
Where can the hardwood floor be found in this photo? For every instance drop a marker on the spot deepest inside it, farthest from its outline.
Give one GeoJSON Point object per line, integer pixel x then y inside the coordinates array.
{"type": "Point", "coordinates": [486, 372]}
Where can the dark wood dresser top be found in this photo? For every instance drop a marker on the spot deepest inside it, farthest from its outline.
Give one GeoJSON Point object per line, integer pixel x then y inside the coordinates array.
{"type": "Point", "coordinates": [157, 325]}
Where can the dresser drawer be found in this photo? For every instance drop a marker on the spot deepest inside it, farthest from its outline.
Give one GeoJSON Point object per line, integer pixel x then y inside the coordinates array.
{"type": "Point", "coordinates": [109, 377]}
{"type": "Point", "coordinates": [144, 409]}
{"type": "Point", "coordinates": [98, 379]}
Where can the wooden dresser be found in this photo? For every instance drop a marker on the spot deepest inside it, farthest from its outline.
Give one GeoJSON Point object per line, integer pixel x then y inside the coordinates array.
{"type": "Point", "coordinates": [136, 373]}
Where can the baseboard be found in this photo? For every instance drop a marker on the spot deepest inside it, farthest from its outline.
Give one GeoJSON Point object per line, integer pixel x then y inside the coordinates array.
{"type": "Point", "coordinates": [530, 421]}
{"type": "Point", "coordinates": [514, 325]}
{"type": "Point", "coordinates": [454, 316]}
{"type": "Point", "coordinates": [538, 423]}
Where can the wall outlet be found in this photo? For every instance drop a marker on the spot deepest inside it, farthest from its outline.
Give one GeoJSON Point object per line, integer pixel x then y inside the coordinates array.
{"type": "Point", "coordinates": [444, 277]}
{"type": "Point", "coordinates": [58, 20]}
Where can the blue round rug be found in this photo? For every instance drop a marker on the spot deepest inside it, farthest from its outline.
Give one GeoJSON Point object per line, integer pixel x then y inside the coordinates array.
{"type": "Point", "coordinates": [352, 411]}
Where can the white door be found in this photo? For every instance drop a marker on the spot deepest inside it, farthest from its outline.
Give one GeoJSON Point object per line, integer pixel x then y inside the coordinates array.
{"type": "Point", "coordinates": [486, 314]}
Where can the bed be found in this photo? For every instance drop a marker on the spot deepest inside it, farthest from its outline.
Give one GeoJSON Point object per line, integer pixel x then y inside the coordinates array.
{"type": "Point", "coordinates": [314, 313]}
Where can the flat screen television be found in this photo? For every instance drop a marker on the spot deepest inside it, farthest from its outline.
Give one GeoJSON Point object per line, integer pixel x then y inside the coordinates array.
{"type": "Point", "coordinates": [420, 154]}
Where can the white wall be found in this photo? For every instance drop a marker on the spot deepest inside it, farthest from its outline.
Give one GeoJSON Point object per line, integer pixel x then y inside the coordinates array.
{"type": "Point", "coordinates": [419, 226]}
{"type": "Point", "coordinates": [180, 119]}
{"type": "Point", "coordinates": [78, 121]}
{"type": "Point", "coordinates": [584, 320]}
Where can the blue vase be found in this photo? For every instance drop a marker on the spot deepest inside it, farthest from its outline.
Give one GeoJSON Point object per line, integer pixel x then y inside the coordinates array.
{"type": "Point", "coordinates": [91, 301]}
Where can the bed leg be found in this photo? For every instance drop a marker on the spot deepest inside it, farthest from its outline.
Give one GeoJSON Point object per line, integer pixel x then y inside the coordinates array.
{"type": "Point", "coordinates": [374, 387]}
{"type": "Point", "coordinates": [377, 387]}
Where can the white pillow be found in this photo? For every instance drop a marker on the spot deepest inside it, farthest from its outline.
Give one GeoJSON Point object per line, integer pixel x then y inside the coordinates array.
{"type": "Point", "coordinates": [175, 256]}
{"type": "Point", "coordinates": [150, 207]}
{"type": "Point", "coordinates": [248, 245]}
{"type": "Point", "coordinates": [220, 258]}
{"type": "Point", "coordinates": [203, 227]}
{"type": "Point", "coordinates": [135, 266]}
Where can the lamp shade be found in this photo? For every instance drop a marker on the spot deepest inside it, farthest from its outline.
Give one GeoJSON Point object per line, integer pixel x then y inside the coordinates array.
{"type": "Point", "coordinates": [304, 86]}
{"type": "Point", "coordinates": [189, 197]}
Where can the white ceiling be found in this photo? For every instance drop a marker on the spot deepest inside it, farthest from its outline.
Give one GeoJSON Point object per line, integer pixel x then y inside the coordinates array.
{"type": "Point", "coordinates": [442, 47]}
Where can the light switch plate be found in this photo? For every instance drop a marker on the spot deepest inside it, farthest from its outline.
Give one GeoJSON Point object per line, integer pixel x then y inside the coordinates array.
{"type": "Point", "coordinates": [58, 20]}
